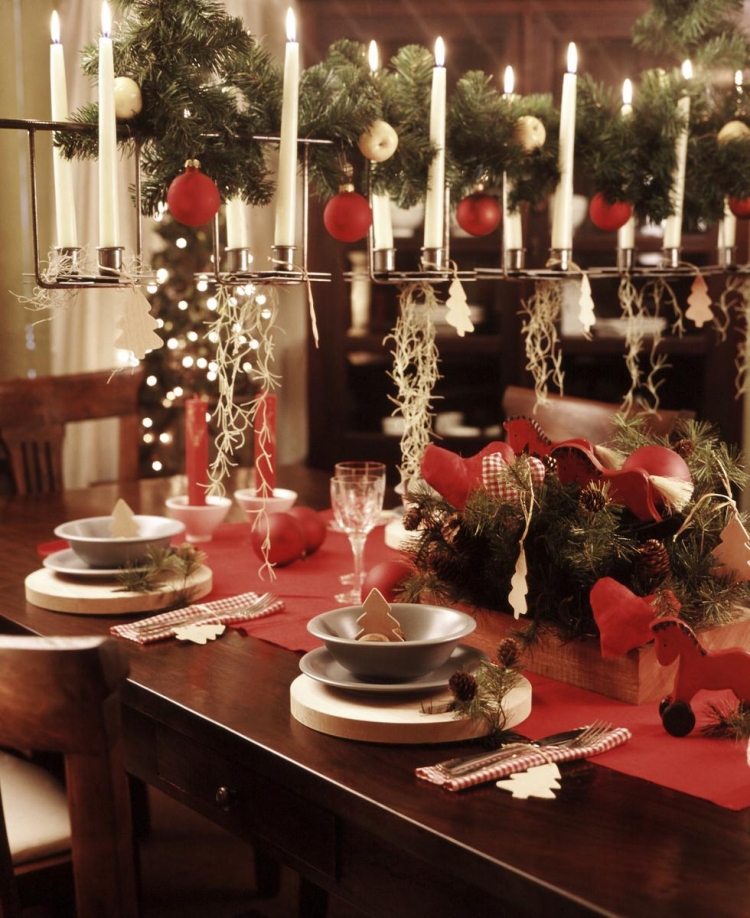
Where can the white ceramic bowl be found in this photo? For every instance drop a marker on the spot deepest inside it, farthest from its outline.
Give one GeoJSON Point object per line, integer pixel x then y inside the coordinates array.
{"type": "Point", "coordinates": [251, 502]}
{"type": "Point", "coordinates": [201, 520]}
{"type": "Point", "coordinates": [431, 634]}
{"type": "Point", "coordinates": [91, 539]}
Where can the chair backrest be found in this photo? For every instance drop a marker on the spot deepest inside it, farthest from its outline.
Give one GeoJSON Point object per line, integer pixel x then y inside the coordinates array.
{"type": "Point", "coordinates": [62, 695]}
{"type": "Point", "coordinates": [562, 417]}
{"type": "Point", "coordinates": [34, 412]}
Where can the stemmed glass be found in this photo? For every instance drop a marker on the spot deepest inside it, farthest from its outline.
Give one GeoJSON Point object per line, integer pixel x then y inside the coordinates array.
{"type": "Point", "coordinates": [357, 502]}
{"type": "Point", "coordinates": [362, 467]}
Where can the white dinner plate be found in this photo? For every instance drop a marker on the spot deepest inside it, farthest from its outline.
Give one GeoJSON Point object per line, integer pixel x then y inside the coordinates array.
{"type": "Point", "coordinates": [319, 664]}
{"type": "Point", "coordinates": [67, 562]}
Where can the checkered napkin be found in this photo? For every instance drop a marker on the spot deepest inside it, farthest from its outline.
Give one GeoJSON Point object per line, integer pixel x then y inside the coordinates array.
{"type": "Point", "coordinates": [229, 611]}
{"type": "Point", "coordinates": [523, 761]}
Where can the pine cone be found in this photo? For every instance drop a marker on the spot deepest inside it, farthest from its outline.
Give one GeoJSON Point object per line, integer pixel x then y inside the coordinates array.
{"type": "Point", "coordinates": [653, 562]}
{"type": "Point", "coordinates": [463, 685]}
{"type": "Point", "coordinates": [445, 563]}
{"type": "Point", "coordinates": [452, 528]}
{"type": "Point", "coordinates": [592, 499]}
{"type": "Point", "coordinates": [684, 448]}
{"type": "Point", "coordinates": [412, 519]}
{"type": "Point", "coordinates": [550, 464]}
{"type": "Point", "coordinates": [508, 653]}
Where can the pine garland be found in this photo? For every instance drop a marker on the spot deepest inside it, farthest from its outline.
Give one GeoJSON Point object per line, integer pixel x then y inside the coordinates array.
{"type": "Point", "coordinates": [574, 539]}
{"type": "Point", "coordinates": [207, 88]}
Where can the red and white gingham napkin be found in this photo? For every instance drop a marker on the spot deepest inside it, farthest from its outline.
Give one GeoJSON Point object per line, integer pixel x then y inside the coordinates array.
{"type": "Point", "coordinates": [229, 611]}
{"type": "Point", "coordinates": [523, 761]}
{"type": "Point", "coordinates": [493, 467]}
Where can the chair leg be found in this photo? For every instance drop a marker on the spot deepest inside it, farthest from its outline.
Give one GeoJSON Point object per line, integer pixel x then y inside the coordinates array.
{"type": "Point", "coordinates": [267, 874]}
{"type": "Point", "coordinates": [313, 901]}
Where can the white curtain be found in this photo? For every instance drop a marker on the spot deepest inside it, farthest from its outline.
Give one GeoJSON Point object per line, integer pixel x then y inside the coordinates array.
{"type": "Point", "coordinates": [83, 338]}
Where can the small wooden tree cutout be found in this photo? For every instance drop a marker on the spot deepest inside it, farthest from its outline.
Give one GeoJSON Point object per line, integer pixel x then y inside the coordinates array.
{"type": "Point", "coordinates": [733, 550]}
{"type": "Point", "coordinates": [586, 305]}
{"type": "Point", "coordinates": [538, 781]}
{"type": "Point", "coordinates": [458, 309]}
{"type": "Point", "coordinates": [376, 622]}
{"type": "Point", "coordinates": [518, 585]}
{"type": "Point", "coordinates": [699, 302]}
{"type": "Point", "coordinates": [124, 525]}
{"type": "Point", "coordinates": [137, 326]}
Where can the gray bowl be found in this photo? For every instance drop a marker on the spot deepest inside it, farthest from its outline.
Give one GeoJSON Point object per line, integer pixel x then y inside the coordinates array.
{"type": "Point", "coordinates": [431, 634]}
{"type": "Point", "coordinates": [91, 539]}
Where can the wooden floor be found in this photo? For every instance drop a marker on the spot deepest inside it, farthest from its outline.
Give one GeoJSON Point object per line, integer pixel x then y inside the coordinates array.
{"type": "Point", "coordinates": [191, 868]}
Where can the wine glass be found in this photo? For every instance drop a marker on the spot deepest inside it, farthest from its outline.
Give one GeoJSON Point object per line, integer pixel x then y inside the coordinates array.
{"type": "Point", "coordinates": [363, 467]}
{"type": "Point", "coordinates": [357, 502]}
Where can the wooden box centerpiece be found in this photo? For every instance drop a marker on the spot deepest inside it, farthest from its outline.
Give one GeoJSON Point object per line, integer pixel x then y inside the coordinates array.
{"type": "Point", "coordinates": [538, 529]}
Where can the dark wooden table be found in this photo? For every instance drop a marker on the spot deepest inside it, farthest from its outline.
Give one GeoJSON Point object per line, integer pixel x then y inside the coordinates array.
{"type": "Point", "coordinates": [211, 726]}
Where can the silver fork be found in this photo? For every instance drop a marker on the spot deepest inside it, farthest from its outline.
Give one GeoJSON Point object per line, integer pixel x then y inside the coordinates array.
{"type": "Point", "coordinates": [582, 736]}
{"type": "Point", "coordinates": [147, 628]}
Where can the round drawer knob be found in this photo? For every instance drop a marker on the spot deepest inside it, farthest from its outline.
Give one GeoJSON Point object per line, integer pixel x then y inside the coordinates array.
{"type": "Point", "coordinates": [224, 796]}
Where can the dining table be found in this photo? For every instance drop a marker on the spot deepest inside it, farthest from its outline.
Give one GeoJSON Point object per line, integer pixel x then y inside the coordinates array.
{"type": "Point", "coordinates": [211, 726]}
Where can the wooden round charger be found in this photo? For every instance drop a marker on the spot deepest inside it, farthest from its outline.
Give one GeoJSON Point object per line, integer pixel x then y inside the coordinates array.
{"type": "Point", "coordinates": [49, 590]}
{"type": "Point", "coordinates": [393, 718]}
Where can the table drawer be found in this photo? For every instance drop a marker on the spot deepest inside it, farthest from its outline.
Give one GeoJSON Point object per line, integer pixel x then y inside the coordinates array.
{"type": "Point", "coordinates": [246, 803]}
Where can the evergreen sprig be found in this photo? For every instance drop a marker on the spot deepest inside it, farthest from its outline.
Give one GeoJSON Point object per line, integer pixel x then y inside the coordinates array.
{"type": "Point", "coordinates": [481, 143]}
{"type": "Point", "coordinates": [201, 76]}
{"type": "Point", "coordinates": [573, 540]}
{"type": "Point", "coordinates": [704, 31]}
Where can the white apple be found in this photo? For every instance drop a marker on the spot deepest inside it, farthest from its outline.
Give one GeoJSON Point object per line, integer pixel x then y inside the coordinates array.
{"type": "Point", "coordinates": [379, 142]}
{"type": "Point", "coordinates": [529, 133]}
{"type": "Point", "coordinates": [733, 130]}
{"type": "Point", "coordinates": [128, 99]}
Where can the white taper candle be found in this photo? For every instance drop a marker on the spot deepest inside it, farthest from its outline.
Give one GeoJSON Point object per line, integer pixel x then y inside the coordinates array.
{"type": "Point", "coordinates": [65, 213]}
{"type": "Point", "coordinates": [286, 188]}
{"type": "Point", "coordinates": [562, 214]}
{"type": "Point", "coordinates": [434, 215]}
{"type": "Point", "coordinates": [512, 226]}
{"type": "Point", "coordinates": [109, 222]}
{"type": "Point", "coordinates": [673, 223]}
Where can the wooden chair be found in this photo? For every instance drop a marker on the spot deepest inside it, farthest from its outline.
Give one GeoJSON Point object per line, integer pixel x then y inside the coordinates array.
{"type": "Point", "coordinates": [62, 695]}
{"type": "Point", "coordinates": [34, 412]}
{"type": "Point", "coordinates": [563, 417]}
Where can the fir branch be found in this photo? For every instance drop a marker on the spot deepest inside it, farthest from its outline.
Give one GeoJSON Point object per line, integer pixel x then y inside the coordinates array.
{"type": "Point", "coordinates": [728, 720]}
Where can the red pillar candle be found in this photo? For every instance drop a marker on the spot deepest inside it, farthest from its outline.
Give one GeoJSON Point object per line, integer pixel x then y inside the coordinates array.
{"type": "Point", "coordinates": [265, 444]}
{"type": "Point", "coordinates": [196, 450]}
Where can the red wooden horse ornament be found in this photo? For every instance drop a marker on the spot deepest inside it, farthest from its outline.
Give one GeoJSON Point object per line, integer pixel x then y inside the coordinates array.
{"type": "Point", "coordinates": [697, 669]}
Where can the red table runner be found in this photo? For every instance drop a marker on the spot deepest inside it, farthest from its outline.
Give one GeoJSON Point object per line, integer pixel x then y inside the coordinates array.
{"type": "Point", "coordinates": [712, 769]}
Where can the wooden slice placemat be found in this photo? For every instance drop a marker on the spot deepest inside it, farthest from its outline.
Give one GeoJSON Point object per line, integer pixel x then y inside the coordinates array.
{"type": "Point", "coordinates": [393, 718]}
{"type": "Point", "coordinates": [58, 593]}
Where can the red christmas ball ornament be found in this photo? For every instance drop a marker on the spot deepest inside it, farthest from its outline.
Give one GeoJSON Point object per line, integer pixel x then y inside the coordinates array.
{"type": "Point", "coordinates": [387, 577]}
{"type": "Point", "coordinates": [286, 537]}
{"type": "Point", "coordinates": [193, 198]}
{"type": "Point", "coordinates": [313, 526]}
{"type": "Point", "coordinates": [659, 460]}
{"type": "Point", "coordinates": [740, 207]}
{"type": "Point", "coordinates": [347, 216]}
{"type": "Point", "coordinates": [478, 214]}
{"type": "Point", "coordinates": [609, 217]}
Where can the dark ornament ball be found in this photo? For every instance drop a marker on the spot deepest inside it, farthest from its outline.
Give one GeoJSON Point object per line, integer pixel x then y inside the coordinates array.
{"type": "Point", "coordinates": [347, 216]}
{"type": "Point", "coordinates": [478, 214]}
{"type": "Point", "coordinates": [606, 216]}
{"type": "Point", "coordinates": [193, 198]}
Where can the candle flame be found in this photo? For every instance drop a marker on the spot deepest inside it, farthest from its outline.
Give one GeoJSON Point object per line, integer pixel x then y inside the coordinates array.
{"type": "Point", "coordinates": [439, 53]}
{"type": "Point", "coordinates": [508, 81]}
{"type": "Point", "coordinates": [291, 25]}
{"type": "Point", "coordinates": [687, 70]}
{"type": "Point", "coordinates": [54, 27]}
{"type": "Point", "coordinates": [738, 79]}
{"type": "Point", "coordinates": [373, 56]}
{"type": "Point", "coordinates": [106, 20]}
{"type": "Point", "coordinates": [572, 58]}
{"type": "Point", "coordinates": [627, 92]}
